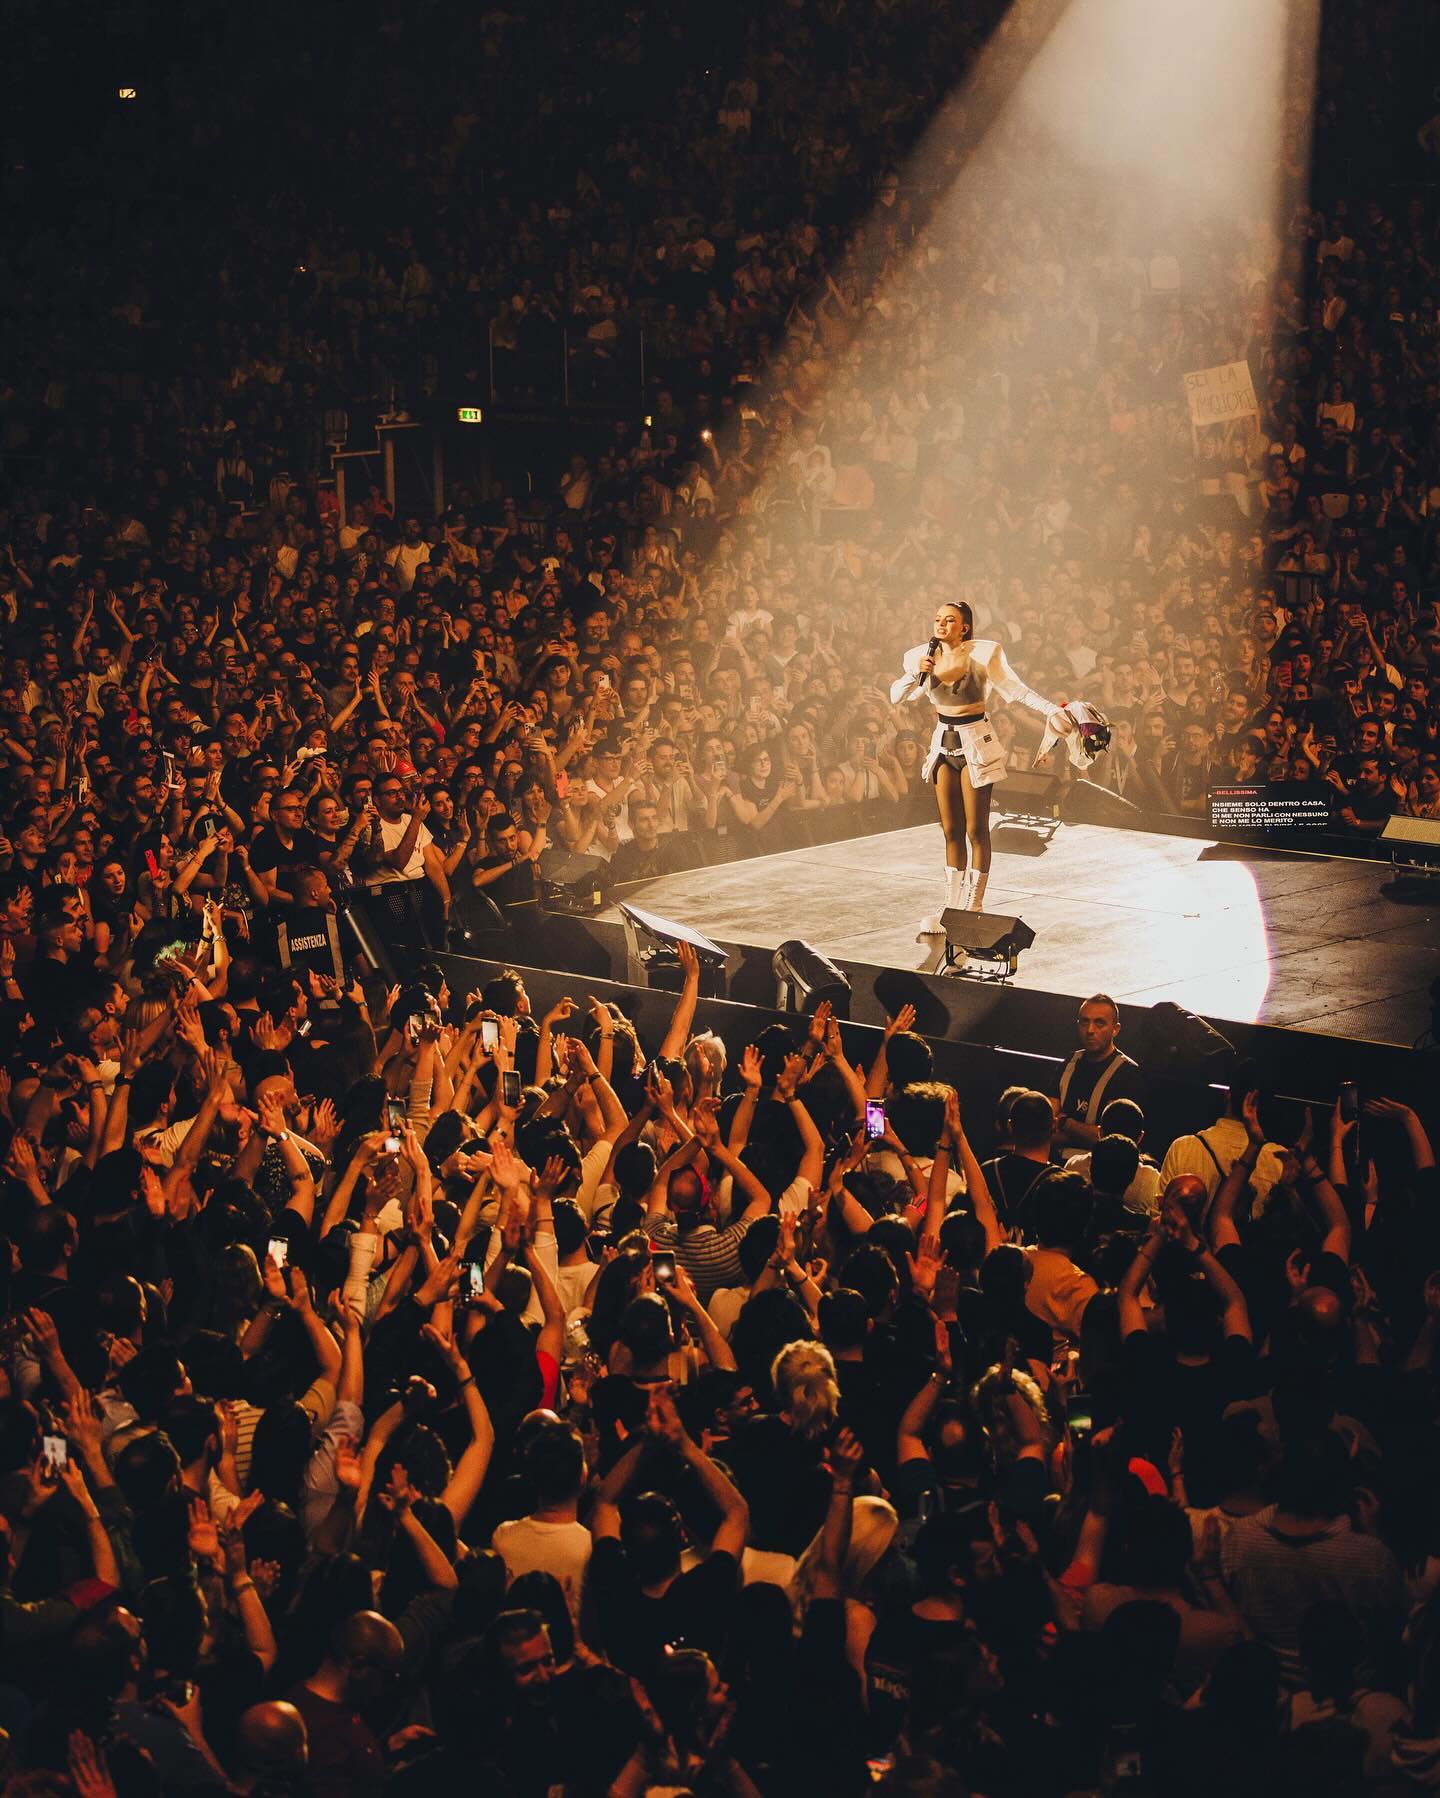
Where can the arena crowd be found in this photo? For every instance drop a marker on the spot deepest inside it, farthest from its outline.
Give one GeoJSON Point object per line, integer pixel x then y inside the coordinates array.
{"type": "Point", "coordinates": [400, 1387]}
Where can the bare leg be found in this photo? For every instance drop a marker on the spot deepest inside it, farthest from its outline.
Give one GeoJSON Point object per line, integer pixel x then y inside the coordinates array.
{"type": "Point", "coordinates": [951, 803]}
{"type": "Point", "coordinates": [977, 823]}
{"type": "Point", "coordinates": [953, 796]}
{"type": "Point", "coordinates": [977, 833]}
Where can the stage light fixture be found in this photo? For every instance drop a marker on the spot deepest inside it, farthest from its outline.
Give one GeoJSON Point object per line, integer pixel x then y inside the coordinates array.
{"type": "Point", "coordinates": [657, 951]}
{"type": "Point", "coordinates": [1414, 845]}
{"type": "Point", "coordinates": [985, 936]}
{"type": "Point", "coordinates": [805, 979]}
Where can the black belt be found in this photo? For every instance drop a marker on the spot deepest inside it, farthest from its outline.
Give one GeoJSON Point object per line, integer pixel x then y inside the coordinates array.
{"type": "Point", "coordinates": [969, 718]}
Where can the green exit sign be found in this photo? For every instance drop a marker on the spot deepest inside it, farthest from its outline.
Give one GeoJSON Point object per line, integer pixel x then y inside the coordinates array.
{"type": "Point", "coordinates": [469, 415]}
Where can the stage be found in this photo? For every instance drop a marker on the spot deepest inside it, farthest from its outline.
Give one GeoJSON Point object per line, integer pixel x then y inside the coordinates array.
{"type": "Point", "coordinates": [1293, 941]}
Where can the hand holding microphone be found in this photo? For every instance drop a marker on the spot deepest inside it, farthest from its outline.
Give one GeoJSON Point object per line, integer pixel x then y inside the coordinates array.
{"type": "Point", "coordinates": [927, 661]}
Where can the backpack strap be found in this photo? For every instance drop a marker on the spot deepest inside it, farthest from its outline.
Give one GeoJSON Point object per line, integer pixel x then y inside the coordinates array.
{"type": "Point", "coordinates": [1200, 1138]}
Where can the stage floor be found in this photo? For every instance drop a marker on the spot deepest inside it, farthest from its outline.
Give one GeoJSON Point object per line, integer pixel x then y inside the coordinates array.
{"type": "Point", "coordinates": [1294, 941]}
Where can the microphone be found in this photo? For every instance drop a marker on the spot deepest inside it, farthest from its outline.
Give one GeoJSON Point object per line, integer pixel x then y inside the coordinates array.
{"type": "Point", "coordinates": [934, 645]}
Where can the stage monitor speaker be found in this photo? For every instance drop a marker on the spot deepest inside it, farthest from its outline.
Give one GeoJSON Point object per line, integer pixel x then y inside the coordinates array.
{"type": "Point", "coordinates": [574, 883]}
{"type": "Point", "coordinates": [1086, 803]}
{"type": "Point", "coordinates": [1033, 794]}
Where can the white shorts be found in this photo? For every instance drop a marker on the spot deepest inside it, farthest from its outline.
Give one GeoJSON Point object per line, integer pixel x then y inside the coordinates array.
{"type": "Point", "coordinates": [975, 745]}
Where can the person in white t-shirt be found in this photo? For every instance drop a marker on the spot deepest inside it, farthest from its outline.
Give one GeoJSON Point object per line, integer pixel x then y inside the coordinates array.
{"type": "Point", "coordinates": [756, 1247]}
{"type": "Point", "coordinates": [408, 554]}
{"type": "Point", "coordinates": [1211, 1153]}
{"type": "Point", "coordinates": [350, 534]}
{"type": "Point", "coordinates": [575, 1274]}
{"type": "Point", "coordinates": [400, 847]}
{"type": "Point", "coordinates": [551, 1539]}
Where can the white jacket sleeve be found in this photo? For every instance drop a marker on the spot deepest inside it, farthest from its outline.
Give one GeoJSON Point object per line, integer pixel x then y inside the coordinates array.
{"type": "Point", "coordinates": [1008, 684]}
{"type": "Point", "coordinates": [908, 686]}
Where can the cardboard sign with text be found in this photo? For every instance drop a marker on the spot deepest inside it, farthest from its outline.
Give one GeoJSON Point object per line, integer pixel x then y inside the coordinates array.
{"type": "Point", "coordinates": [1216, 395]}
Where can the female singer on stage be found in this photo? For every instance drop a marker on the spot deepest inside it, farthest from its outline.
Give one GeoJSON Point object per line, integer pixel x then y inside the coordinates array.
{"type": "Point", "coordinates": [957, 672]}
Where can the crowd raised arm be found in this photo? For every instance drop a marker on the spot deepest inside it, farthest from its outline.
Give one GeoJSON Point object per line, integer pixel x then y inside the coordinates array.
{"type": "Point", "coordinates": [441, 1375]}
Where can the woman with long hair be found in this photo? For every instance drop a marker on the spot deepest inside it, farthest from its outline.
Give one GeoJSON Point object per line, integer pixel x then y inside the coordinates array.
{"type": "Point", "coordinates": [957, 672]}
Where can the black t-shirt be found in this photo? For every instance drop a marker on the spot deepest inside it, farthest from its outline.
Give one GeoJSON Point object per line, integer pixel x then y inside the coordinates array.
{"type": "Point", "coordinates": [1124, 1083]}
{"type": "Point", "coordinates": [902, 1642]}
{"type": "Point", "coordinates": [1009, 1177]}
{"type": "Point", "coordinates": [55, 990]}
{"type": "Point", "coordinates": [695, 1611]}
{"type": "Point", "coordinates": [267, 852]}
{"type": "Point", "coordinates": [1160, 1393]}
{"type": "Point", "coordinates": [1368, 807]}
{"type": "Point", "coordinates": [513, 888]}
{"type": "Point", "coordinates": [631, 862]}
{"type": "Point", "coordinates": [783, 1482]}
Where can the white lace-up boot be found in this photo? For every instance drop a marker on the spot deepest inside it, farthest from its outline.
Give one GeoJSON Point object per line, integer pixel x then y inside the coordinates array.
{"type": "Point", "coordinates": [933, 924]}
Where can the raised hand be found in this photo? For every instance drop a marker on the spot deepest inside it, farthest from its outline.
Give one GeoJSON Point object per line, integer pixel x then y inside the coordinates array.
{"type": "Point", "coordinates": [89, 1773]}
{"type": "Point", "coordinates": [659, 1090]}
{"type": "Point", "coordinates": [204, 1536]}
{"type": "Point", "coordinates": [21, 1159]}
{"type": "Point", "coordinates": [953, 1126]}
{"type": "Point", "coordinates": [789, 1078]}
{"type": "Point", "coordinates": [751, 1069]}
{"type": "Point", "coordinates": [324, 1124]}
{"type": "Point", "coordinates": [399, 1494]}
{"type": "Point", "coordinates": [662, 1420]}
{"type": "Point", "coordinates": [152, 1192]}
{"type": "Point", "coordinates": [705, 1123]}
{"type": "Point", "coordinates": [347, 1464]}
{"type": "Point", "coordinates": [925, 1265]}
{"type": "Point", "coordinates": [846, 1456]}
{"type": "Point", "coordinates": [552, 1177]}
{"type": "Point", "coordinates": [273, 1278]}
{"type": "Point", "coordinates": [1389, 1109]}
{"type": "Point", "coordinates": [507, 1170]}
{"type": "Point", "coordinates": [682, 1290]}
{"type": "Point", "coordinates": [82, 1423]}
{"type": "Point", "coordinates": [904, 1019]}
{"type": "Point", "coordinates": [272, 1114]}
